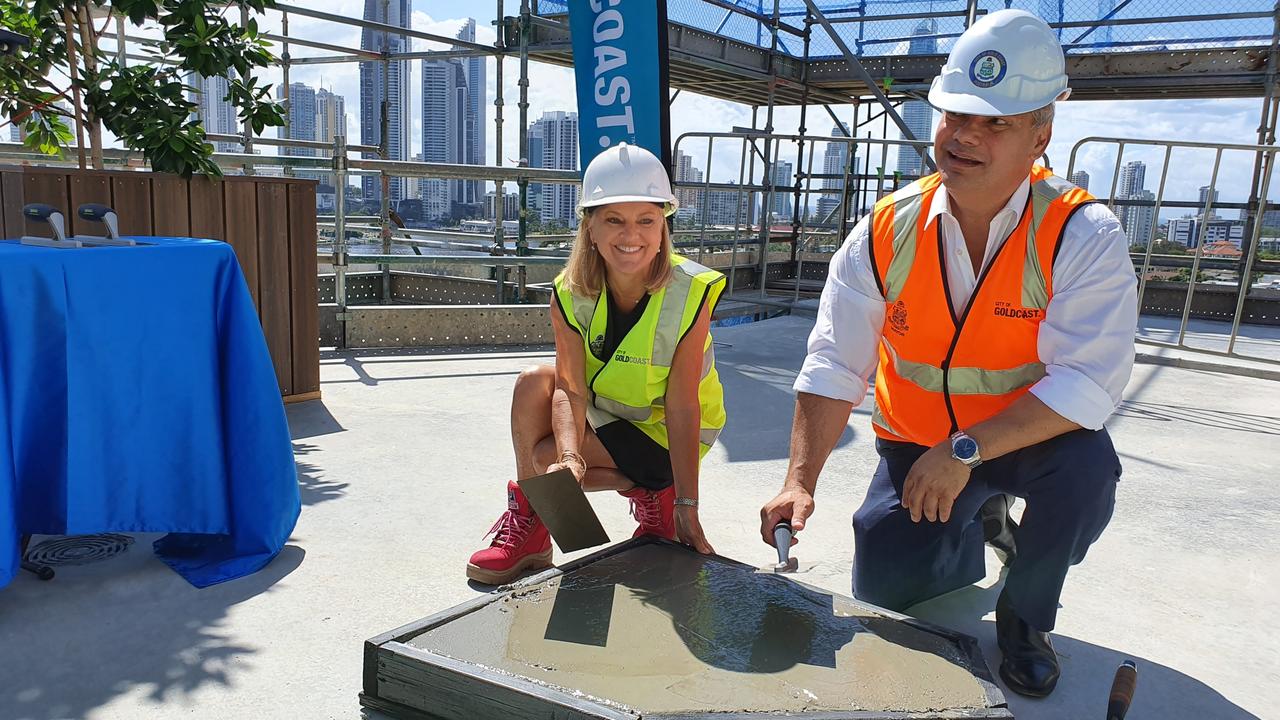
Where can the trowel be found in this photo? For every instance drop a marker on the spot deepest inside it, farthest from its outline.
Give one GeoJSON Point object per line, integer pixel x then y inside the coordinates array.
{"type": "Point", "coordinates": [565, 510]}
{"type": "Point", "coordinates": [786, 564]}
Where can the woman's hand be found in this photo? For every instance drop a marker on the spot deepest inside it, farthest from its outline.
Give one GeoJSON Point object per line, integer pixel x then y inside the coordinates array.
{"type": "Point", "coordinates": [572, 462]}
{"type": "Point", "coordinates": [689, 529]}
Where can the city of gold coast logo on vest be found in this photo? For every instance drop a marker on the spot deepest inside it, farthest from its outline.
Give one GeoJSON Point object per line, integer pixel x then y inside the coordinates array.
{"type": "Point", "coordinates": [898, 318]}
{"type": "Point", "coordinates": [1007, 310]}
{"type": "Point", "coordinates": [623, 357]}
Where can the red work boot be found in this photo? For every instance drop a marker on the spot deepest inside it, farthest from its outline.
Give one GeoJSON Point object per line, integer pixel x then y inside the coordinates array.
{"type": "Point", "coordinates": [655, 510]}
{"type": "Point", "coordinates": [520, 542]}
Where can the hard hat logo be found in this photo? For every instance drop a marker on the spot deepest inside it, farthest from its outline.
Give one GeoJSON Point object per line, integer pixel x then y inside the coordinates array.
{"type": "Point", "coordinates": [987, 69]}
{"type": "Point", "coordinates": [1008, 63]}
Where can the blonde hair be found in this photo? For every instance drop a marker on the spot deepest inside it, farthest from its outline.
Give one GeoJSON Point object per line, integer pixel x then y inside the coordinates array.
{"type": "Point", "coordinates": [584, 274]}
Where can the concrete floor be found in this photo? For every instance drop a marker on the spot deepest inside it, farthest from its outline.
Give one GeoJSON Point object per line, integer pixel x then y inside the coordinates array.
{"type": "Point", "coordinates": [402, 466]}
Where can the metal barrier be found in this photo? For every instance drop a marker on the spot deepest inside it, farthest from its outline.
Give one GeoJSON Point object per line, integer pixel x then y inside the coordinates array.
{"type": "Point", "coordinates": [847, 191]}
{"type": "Point", "coordinates": [1125, 197]}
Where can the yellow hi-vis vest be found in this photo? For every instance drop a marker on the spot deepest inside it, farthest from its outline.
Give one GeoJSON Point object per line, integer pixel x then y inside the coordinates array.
{"type": "Point", "coordinates": [631, 384]}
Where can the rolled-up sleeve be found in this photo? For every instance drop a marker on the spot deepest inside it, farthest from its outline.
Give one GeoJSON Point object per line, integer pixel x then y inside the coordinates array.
{"type": "Point", "coordinates": [842, 350]}
{"type": "Point", "coordinates": [1086, 339]}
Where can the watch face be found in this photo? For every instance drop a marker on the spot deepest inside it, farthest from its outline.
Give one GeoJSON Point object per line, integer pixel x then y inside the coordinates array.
{"type": "Point", "coordinates": [964, 448]}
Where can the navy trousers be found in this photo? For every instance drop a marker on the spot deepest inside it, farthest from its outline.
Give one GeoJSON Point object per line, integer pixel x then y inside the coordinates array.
{"type": "Point", "coordinates": [1069, 483]}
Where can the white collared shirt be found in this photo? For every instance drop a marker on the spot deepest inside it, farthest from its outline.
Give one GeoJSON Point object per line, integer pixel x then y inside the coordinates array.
{"type": "Point", "coordinates": [1086, 337]}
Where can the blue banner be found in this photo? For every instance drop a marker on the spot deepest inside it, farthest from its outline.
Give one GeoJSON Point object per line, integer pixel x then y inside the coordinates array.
{"type": "Point", "coordinates": [620, 62]}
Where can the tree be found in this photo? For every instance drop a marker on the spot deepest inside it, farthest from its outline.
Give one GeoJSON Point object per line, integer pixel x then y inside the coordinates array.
{"type": "Point", "coordinates": [1184, 276]}
{"type": "Point", "coordinates": [145, 105]}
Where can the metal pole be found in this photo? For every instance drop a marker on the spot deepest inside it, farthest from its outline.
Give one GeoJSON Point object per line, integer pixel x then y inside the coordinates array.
{"type": "Point", "coordinates": [869, 81]}
{"type": "Point", "coordinates": [706, 187]}
{"type": "Point", "coordinates": [770, 161]}
{"type": "Point", "coordinates": [751, 178]}
{"type": "Point", "coordinates": [384, 149]}
{"type": "Point", "coordinates": [1204, 231]}
{"type": "Point", "coordinates": [742, 165]}
{"type": "Point", "coordinates": [766, 225]}
{"type": "Point", "coordinates": [340, 234]}
{"type": "Point", "coordinates": [1261, 166]}
{"type": "Point", "coordinates": [849, 169]}
{"type": "Point", "coordinates": [288, 101]}
{"type": "Point", "coordinates": [1250, 254]}
{"type": "Point", "coordinates": [971, 15]}
{"type": "Point", "coordinates": [248, 129]}
{"type": "Point", "coordinates": [499, 189]}
{"type": "Point", "coordinates": [1151, 238]}
{"type": "Point", "coordinates": [797, 222]}
{"type": "Point", "coordinates": [522, 238]}
{"type": "Point", "coordinates": [799, 256]}
{"type": "Point", "coordinates": [855, 175]}
{"type": "Point", "coordinates": [121, 49]}
{"type": "Point", "coordinates": [1115, 175]}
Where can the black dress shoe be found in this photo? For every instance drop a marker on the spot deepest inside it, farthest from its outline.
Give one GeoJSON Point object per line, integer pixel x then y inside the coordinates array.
{"type": "Point", "coordinates": [998, 527]}
{"type": "Point", "coordinates": [1029, 666]}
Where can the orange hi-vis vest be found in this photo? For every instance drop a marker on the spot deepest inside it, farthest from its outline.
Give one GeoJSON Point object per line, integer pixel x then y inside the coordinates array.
{"type": "Point", "coordinates": [945, 368]}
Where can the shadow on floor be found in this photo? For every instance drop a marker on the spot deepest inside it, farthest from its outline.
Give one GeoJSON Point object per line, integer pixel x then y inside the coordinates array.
{"type": "Point", "coordinates": [1203, 417]}
{"type": "Point", "coordinates": [1087, 670]}
{"type": "Point", "coordinates": [312, 486]}
{"type": "Point", "coordinates": [124, 626]}
{"type": "Point", "coordinates": [311, 419]}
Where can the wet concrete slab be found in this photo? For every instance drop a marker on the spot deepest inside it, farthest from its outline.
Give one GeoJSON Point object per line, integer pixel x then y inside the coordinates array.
{"type": "Point", "coordinates": [652, 627]}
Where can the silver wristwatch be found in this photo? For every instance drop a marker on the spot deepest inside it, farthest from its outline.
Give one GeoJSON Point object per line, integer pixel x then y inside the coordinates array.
{"type": "Point", "coordinates": [965, 449]}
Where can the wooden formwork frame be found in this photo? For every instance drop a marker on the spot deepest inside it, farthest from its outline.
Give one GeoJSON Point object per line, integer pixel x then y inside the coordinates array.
{"type": "Point", "coordinates": [409, 682]}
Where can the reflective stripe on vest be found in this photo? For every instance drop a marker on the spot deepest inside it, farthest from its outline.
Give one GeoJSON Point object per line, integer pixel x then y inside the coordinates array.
{"type": "Point", "coordinates": [966, 380]}
{"type": "Point", "coordinates": [631, 384]}
{"type": "Point", "coordinates": [938, 372]}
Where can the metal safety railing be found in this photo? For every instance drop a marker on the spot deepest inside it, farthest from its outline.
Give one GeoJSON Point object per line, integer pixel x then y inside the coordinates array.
{"type": "Point", "coordinates": [1140, 214]}
{"type": "Point", "coordinates": [775, 186]}
{"type": "Point", "coordinates": [754, 225]}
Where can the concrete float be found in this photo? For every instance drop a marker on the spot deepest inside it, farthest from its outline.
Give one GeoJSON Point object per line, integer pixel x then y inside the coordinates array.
{"type": "Point", "coordinates": [650, 629]}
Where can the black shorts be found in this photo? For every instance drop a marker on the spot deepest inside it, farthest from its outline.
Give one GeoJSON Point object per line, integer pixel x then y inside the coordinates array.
{"type": "Point", "coordinates": [638, 456]}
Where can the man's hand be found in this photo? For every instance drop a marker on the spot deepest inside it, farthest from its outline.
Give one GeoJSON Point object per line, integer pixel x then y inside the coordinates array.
{"type": "Point", "coordinates": [793, 504]}
{"type": "Point", "coordinates": [689, 529]}
{"type": "Point", "coordinates": [933, 483]}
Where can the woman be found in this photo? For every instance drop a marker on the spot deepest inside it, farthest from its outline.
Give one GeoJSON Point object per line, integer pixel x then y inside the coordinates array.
{"type": "Point", "coordinates": [634, 400]}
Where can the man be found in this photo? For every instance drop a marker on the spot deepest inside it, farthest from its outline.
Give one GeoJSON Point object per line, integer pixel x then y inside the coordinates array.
{"type": "Point", "coordinates": [996, 305]}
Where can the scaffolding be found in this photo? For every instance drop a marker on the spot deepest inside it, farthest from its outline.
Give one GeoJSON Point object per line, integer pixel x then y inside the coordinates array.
{"type": "Point", "coordinates": [864, 58]}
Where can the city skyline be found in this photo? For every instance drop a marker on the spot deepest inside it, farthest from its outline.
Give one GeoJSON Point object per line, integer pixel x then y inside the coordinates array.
{"type": "Point", "coordinates": [1191, 120]}
{"type": "Point", "coordinates": [553, 143]}
{"type": "Point", "coordinates": [1138, 221]}
{"type": "Point", "coordinates": [1080, 179]}
{"type": "Point", "coordinates": [918, 114]}
{"type": "Point", "coordinates": [453, 130]}
{"type": "Point", "coordinates": [690, 201]}
{"type": "Point", "coordinates": [216, 114]}
{"type": "Point", "coordinates": [395, 79]}
{"type": "Point", "coordinates": [835, 160]}
{"type": "Point", "coordinates": [783, 206]}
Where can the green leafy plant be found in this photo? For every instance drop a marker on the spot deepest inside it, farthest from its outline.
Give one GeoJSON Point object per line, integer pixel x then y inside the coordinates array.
{"type": "Point", "coordinates": [65, 76]}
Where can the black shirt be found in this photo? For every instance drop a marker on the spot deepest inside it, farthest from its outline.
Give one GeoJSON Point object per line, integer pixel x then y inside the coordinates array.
{"type": "Point", "coordinates": [619, 324]}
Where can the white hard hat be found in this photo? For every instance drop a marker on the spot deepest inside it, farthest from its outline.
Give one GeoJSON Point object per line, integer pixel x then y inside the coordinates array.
{"type": "Point", "coordinates": [1008, 63]}
{"type": "Point", "coordinates": [626, 173]}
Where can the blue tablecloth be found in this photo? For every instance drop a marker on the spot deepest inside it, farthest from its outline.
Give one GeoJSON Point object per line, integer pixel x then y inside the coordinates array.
{"type": "Point", "coordinates": [137, 394]}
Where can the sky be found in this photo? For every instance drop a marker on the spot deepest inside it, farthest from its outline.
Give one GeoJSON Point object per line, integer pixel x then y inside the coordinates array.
{"type": "Point", "coordinates": [552, 88]}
